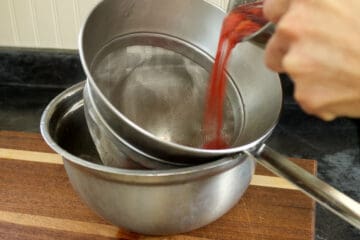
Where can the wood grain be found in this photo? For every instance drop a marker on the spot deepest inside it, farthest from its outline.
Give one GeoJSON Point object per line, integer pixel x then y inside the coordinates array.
{"type": "Point", "coordinates": [38, 202]}
{"type": "Point", "coordinates": [34, 142]}
{"type": "Point", "coordinates": [23, 141]}
{"type": "Point", "coordinates": [30, 156]}
{"type": "Point", "coordinates": [52, 158]}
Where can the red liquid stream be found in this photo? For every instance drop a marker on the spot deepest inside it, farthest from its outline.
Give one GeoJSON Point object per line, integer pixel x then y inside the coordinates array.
{"type": "Point", "coordinates": [241, 22]}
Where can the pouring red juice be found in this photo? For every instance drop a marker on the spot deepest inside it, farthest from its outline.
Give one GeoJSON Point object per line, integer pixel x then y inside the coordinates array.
{"type": "Point", "coordinates": [241, 22]}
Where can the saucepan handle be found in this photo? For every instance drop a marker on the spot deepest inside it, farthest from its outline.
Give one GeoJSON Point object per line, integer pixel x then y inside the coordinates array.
{"type": "Point", "coordinates": [323, 193]}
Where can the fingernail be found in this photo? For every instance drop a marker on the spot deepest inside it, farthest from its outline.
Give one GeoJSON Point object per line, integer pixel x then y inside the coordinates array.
{"type": "Point", "coordinates": [328, 117]}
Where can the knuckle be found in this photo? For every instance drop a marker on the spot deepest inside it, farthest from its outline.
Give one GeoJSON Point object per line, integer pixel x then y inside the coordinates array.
{"type": "Point", "coordinates": [298, 61]}
{"type": "Point", "coordinates": [272, 58]}
{"type": "Point", "coordinates": [291, 63]}
{"type": "Point", "coordinates": [275, 9]}
{"type": "Point", "coordinates": [309, 103]}
{"type": "Point", "coordinates": [289, 26]}
{"type": "Point", "coordinates": [268, 10]}
{"type": "Point", "coordinates": [273, 63]}
{"type": "Point", "coordinates": [305, 101]}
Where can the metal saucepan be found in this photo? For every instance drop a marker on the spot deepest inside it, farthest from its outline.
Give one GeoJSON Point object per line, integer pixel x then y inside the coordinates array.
{"type": "Point", "coordinates": [127, 94]}
{"type": "Point", "coordinates": [180, 37]}
{"type": "Point", "coordinates": [155, 202]}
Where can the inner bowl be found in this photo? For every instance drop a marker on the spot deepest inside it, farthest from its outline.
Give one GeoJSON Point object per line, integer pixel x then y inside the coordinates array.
{"type": "Point", "coordinates": [162, 91]}
{"type": "Point", "coordinates": [190, 29]}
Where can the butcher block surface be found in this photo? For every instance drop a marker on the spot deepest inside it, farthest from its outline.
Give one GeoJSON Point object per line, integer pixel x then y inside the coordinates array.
{"type": "Point", "coordinates": [38, 202]}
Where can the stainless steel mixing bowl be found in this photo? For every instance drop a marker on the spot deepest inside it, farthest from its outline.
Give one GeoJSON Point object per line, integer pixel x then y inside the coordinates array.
{"type": "Point", "coordinates": [143, 201]}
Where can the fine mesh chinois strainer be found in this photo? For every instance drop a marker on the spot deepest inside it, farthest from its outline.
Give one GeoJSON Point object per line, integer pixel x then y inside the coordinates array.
{"type": "Point", "coordinates": [148, 72]}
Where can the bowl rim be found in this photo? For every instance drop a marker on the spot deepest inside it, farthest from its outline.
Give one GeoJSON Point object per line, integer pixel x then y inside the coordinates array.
{"type": "Point", "coordinates": [210, 168]}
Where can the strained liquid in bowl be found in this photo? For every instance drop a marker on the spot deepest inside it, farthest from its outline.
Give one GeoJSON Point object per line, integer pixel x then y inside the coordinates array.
{"type": "Point", "coordinates": [161, 91]}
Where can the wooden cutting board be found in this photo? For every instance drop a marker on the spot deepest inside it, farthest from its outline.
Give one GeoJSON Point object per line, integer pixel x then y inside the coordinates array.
{"type": "Point", "coordinates": [38, 202]}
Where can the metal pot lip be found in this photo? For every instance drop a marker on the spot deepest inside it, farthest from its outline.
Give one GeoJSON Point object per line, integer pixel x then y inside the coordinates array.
{"type": "Point", "coordinates": [50, 110]}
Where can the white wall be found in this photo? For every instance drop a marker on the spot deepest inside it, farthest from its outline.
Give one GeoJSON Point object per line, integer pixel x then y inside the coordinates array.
{"type": "Point", "coordinates": [47, 23]}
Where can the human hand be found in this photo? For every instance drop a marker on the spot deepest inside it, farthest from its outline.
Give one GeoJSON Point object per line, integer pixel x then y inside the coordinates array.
{"type": "Point", "coordinates": [317, 43]}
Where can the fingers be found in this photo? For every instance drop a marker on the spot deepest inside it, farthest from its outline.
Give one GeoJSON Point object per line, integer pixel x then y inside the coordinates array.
{"type": "Point", "coordinates": [276, 49]}
{"type": "Point", "coordinates": [278, 45]}
{"type": "Point", "coordinates": [305, 47]}
{"type": "Point", "coordinates": [275, 9]}
{"type": "Point", "coordinates": [313, 100]}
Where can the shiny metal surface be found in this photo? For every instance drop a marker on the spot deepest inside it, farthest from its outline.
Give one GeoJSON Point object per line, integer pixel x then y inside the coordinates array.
{"type": "Point", "coordinates": [337, 202]}
{"type": "Point", "coordinates": [261, 37]}
{"type": "Point", "coordinates": [254, 92]}
{"type": "Point", "coordinates": [143, 201]}
{"type": "Point", "coordinates": [161, 91]}
{"type": "Point", "coordinates": [112, 147]}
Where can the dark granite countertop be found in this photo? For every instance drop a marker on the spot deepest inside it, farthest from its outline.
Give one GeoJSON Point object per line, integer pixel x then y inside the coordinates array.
{"type": "Point", "coordinates": [30, 79]}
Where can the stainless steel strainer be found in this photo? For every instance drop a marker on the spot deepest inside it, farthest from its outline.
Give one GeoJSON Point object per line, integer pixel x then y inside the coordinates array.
{"type": "Point", "coordinates": [147, 64]}
{"type": "Point", "coordinates": [162, 92]}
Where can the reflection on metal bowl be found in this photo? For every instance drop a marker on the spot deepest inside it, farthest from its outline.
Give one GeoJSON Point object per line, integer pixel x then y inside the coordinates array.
{"type": "Point", "coordinates": [155, 202]}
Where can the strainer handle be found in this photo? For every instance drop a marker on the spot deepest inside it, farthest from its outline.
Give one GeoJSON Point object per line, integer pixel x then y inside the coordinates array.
{"type": "Point", "coordinates": [326, 195]}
